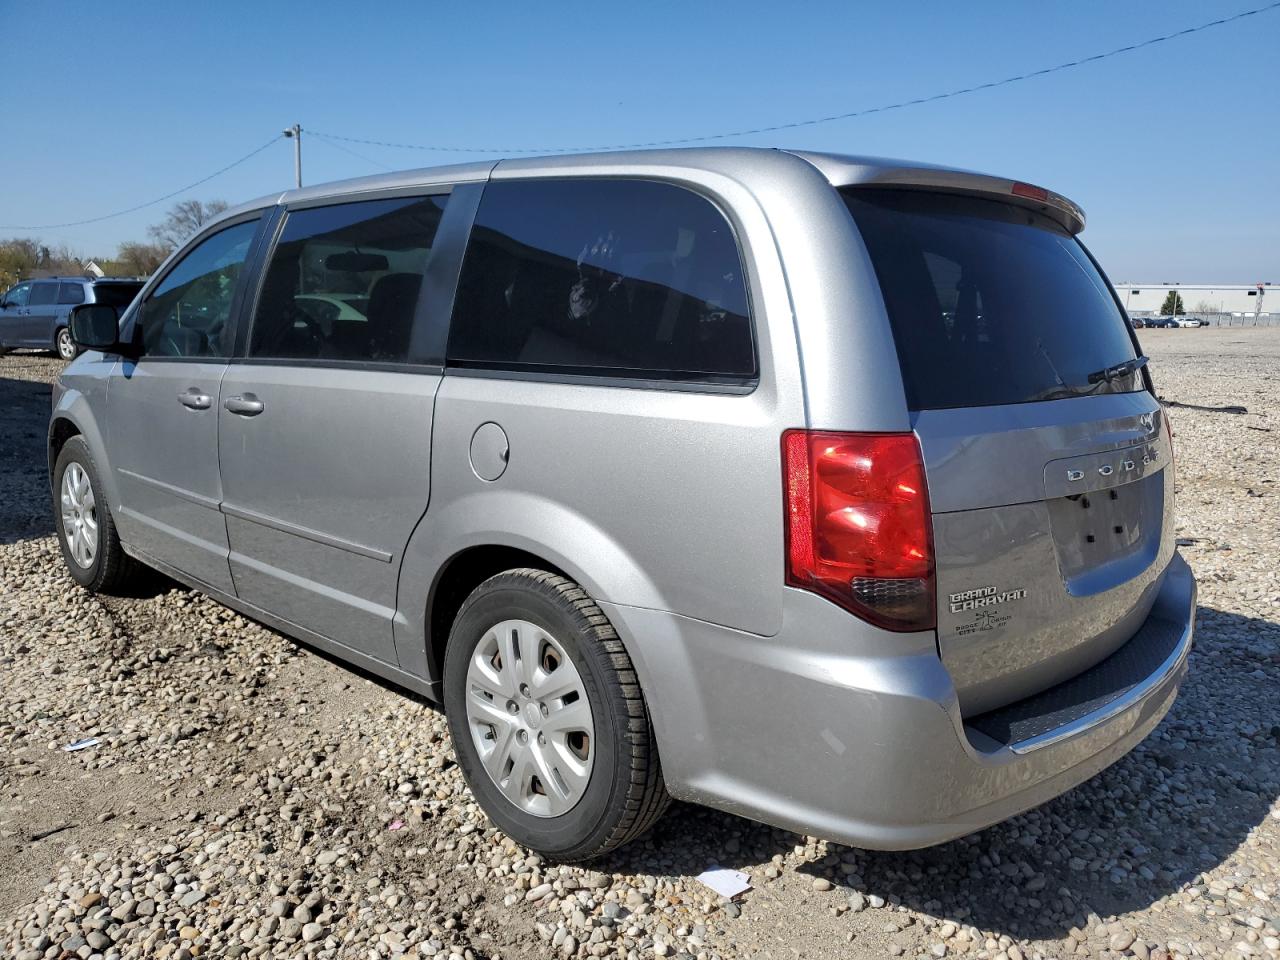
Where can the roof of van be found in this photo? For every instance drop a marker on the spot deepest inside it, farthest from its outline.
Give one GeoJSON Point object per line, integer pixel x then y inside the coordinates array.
{"type": "Point", "coordinates": [740, 162]}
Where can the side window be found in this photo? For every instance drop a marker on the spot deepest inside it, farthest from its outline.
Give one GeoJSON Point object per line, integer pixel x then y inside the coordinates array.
{"type": "Point", "coordinates": [624, 278]}
{"type": "Point", "coordinates": [18, 296]}
{"type": "Point", "coordinates": [189, 313]}
{"type": "Point", "coordinates": [70, 293]}
{"type": "Point", "coordinates": [43, 294]}
{"type": "Point", "coordinates": [343, 281]}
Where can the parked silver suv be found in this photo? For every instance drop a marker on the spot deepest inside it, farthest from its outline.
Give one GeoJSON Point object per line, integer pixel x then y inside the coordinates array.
{"type": "Point", "coordinates": [831, 492]}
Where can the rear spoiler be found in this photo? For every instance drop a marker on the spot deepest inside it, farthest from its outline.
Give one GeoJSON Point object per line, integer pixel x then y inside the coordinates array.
{"type": "Point", "coordinates": [850, 172]}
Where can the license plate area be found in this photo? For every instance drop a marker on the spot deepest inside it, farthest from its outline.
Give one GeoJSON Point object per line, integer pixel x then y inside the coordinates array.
{"type": "Point", "coordinates": [1105, 537]}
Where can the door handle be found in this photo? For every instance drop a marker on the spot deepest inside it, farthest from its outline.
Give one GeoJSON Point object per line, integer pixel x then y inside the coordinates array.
{"type": "Point", "coordinates": [247, 405]}
{"type": "Point", "coordinates": [195, 400]}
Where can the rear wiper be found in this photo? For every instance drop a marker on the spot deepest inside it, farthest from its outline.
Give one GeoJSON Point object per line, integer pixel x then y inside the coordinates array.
{"type": "Point", "coordinates": [1126, 369]}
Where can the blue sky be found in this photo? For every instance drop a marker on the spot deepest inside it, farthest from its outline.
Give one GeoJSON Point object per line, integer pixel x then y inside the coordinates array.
{"type": "Point", "coordinates": [1173, 151]}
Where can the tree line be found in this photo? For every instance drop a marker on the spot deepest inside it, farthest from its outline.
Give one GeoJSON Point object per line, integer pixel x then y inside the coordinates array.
{"type": "Point", "coordinates": [22, 257]}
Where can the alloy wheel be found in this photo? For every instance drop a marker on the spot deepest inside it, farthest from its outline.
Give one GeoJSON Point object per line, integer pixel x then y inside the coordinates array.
{"type": "Point", "coordinates": [66, 346]}
{"type": "Point", "coordinates": [79, 515]}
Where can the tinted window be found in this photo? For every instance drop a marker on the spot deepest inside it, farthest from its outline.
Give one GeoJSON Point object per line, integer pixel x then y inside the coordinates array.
{"type": "Point", "coordinates": [344, 280]}
{"type": "Point", "coordinates": [115, 294]}
{"type": "Point", "coordinates": [17, 296]}
{"type": "Point", "coordinates": [71, 293]}
{"type": "Point", "coordinates": [43, 294]}
{"type": "Point", "coordinates": [990, 303]}
{"type": "Point", "coordinates": [189, 313]}
{"type": "Point", "coordinates": [615, 278]}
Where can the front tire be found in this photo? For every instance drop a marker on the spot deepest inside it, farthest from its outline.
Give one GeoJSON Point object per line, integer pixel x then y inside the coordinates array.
{"type": "Point", "coordinates": [86, 531]}
{"type": "Point", "coordinates": [548, 721]}
{"type": "Point", "coordinates": [64, 346]}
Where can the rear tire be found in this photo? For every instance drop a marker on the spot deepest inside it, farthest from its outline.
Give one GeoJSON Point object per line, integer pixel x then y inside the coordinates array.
{"type": "Point", "coordinates": [86, 531]}
{"type": "Point", "coordinates": [63, 345]}
{"type": "Point", "coordinates": [550, 623]}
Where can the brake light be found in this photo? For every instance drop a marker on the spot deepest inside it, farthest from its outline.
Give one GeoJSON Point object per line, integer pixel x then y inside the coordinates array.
{"type": "Point", "coordinates": [1030, 190]}
{"type": "Point", "coordinates": [858, 525]}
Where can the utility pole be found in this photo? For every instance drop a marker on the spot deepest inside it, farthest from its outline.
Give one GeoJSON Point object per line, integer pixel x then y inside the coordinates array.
{"type": "Point", "coordinates": [295, 132]}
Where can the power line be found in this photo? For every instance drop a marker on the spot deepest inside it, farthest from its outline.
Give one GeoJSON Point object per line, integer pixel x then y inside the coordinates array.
{"type": "Point", "coordinates": [333, 145]}
{"type": "Point", "coordinates": [1129, 48]}
{"type": "Point", "coordinates": [150, 203]}
{"type": "Point", "coordinates": [336, 139]}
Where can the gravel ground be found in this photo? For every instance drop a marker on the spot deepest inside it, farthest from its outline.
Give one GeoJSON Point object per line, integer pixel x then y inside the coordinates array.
{"type": "Point", "coordinates": [251, 797]}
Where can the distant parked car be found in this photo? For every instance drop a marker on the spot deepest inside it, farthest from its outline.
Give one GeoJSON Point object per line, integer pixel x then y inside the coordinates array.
{"type": "Point", "coordinates": [1137, 323]}
{"type": "Point", "coordinates": [34, 313]}
{"type": "Point", "coordinates": [1191, 322]}
{"type": "Point", "coordinates": [1166, 322]}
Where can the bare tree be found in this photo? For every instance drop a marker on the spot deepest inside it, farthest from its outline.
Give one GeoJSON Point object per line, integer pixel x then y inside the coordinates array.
{"type": "Point", "coordinates": [22, 257]}
{"type": "Point", "coordinates": [18, 257]}
{"type": "Point", "coordinates": [183, 220]}
{"type": "Point", "coordinates": [139, 259]}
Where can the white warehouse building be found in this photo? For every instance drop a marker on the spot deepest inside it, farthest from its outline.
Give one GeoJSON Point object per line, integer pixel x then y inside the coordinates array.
{"type": "Point", "coordinates": [1239, 299]}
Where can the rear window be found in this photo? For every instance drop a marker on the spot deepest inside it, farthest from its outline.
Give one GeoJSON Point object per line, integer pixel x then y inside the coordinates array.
{"type": "Point", "coordinates": [614, 278]}
{"type": "Point", "coordinates": [115, 294]}
{"type": "Point", "coordinates": [71, 293]}
{"type": "Point", "coordinates": [990, 303]}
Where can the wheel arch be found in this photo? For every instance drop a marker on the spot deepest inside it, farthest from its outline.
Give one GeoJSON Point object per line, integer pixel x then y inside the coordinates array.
{"type": "Point", "coordinates": [450, 550]}
{"type": "Point", "coordinates": [73, 416]}
{"type": "Point", "coordinates": [61, 429]}
{"type": "Point", "coordinates": [455, 581]}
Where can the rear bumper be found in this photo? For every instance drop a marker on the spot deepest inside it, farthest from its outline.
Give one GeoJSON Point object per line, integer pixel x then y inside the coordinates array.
{"type": "Point", "coordinates": [863, 743]}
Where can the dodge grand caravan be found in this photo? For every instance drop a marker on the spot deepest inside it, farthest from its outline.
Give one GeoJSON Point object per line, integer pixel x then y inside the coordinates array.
{"type": "Point", "coordinates": [829, 491]}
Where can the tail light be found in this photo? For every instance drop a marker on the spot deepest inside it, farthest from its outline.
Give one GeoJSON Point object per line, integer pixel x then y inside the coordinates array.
{"type": "Point", "coordinates": [858, 524]}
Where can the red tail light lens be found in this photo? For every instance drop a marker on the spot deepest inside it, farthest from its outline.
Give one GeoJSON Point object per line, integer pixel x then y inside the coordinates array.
{"type": "Point", "coordinates": [1030, 190]}
{"type": "Point", "coordinates": [858, 524]}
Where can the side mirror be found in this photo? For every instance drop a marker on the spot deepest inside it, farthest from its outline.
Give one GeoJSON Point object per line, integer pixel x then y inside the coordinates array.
{"type": "Point", "coordinates": [95, 326]}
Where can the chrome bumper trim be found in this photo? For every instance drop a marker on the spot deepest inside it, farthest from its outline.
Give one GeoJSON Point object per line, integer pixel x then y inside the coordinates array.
{"type": "Point", "coordinates": [1172, 664]}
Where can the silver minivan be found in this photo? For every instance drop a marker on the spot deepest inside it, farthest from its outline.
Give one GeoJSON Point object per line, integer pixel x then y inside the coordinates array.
{"type": "Point", "coordinates": [832, 492]}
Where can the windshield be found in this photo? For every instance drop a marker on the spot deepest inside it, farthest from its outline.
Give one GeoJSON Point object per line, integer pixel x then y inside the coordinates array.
{"type": "Point", "coordinates": [990, 303]}
{"type": "Point", "coordinates": [115, 294]}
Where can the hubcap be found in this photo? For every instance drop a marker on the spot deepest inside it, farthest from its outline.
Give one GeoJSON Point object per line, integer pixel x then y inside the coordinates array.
{"type": "Point", "coordinates": [530, 719]}
{"type": "Point", "coordinates": [65, 346]}
{"type": "Point", "coordinates": [79, 515]}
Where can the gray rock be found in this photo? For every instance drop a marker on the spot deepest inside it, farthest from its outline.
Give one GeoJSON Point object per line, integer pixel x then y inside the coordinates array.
{"type": "Point", "coordinates": [1121, 940]}
{"type": "Point", "coordinates": [191, 898]}
{"type": "Point", "coordinates": [98, 940]}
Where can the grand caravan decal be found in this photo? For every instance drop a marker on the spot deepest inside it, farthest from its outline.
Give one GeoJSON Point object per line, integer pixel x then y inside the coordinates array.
{"type": "Point", "coordinates": [982, 597]}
